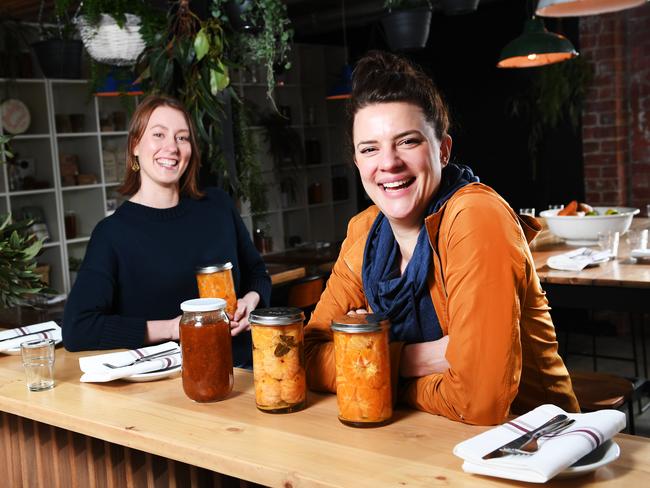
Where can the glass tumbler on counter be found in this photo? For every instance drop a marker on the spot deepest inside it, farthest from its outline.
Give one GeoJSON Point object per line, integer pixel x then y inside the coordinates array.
{"type": "Point", "coordinates": [38, 361]}
{"type": "Point", "coordinates": [206, 346]}
{"type": "Point", "coordinates": [363, 388]}
{"type": "Point", "coordinates": [215, 281]}
{"type": "Point", "coordinates": [278, 359]}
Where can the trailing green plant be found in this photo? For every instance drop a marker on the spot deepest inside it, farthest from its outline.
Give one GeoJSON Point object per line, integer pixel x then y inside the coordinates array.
{"type": "Point", "coordinates": [284, 141]}
{"type": "Point", "coordinates": [5, 150]}
{"type": "Point", "coordinates": [18, 251]}
{"type": "Point", "coordinates": [61, 26]}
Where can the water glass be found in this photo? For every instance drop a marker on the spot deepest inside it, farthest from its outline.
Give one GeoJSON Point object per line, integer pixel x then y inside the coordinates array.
{"type": "Point", "coordinates": [38, 361]}
{"type": "Point", "coordinates": [608, 241]}
{"type": "Point", "coordinates": [527, 211]}
{"type": "Point", "coordinates": [557, 206]}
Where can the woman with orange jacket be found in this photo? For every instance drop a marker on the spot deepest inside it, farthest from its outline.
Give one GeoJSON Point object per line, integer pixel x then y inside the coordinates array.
{"type": "Point", "coordinates": [444, 257]}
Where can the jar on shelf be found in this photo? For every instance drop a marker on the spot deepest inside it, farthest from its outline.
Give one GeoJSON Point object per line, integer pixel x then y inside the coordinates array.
{"type": "Point", "coordinates": [206, 346]}
{"type": "Point", "coordinates": [215, 281]}
{"type": "Point", "coordinates": [278, 359]}
{"type": "Point", "coordinates": [363, 388]}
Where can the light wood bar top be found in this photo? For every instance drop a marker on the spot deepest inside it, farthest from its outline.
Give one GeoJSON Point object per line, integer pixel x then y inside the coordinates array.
{"type": "Point", "coordinates": [613, 273]}
{"type": "Point", "coordinates": [307, 448]}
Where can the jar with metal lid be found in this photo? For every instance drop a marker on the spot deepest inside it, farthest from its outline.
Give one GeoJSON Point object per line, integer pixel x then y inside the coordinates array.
{"type": "Point", "coordinates": [363, 388]}
{"type": "Point", "coordinates": [206, 346]}
{"type": "Point", "coordinates": [215, 281]}
{"type": "Point", "coordinates": [278, 359]}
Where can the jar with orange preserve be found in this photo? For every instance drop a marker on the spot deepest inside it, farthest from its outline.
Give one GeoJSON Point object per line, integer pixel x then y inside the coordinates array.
{"type": "Point", "coordinates": [206, 347]}
{"type": "Point", "coordinates": [278, 359]}
{"type": "Point", "coordinates": [215, 281]}
{"type": "Point", "coordinates": [363, 389]}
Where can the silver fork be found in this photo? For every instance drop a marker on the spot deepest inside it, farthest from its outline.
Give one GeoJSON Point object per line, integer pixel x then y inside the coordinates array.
{"type": "Point", "coordinates": [157, 355]}
{"type": "Point", "coordinates": [531, 446]}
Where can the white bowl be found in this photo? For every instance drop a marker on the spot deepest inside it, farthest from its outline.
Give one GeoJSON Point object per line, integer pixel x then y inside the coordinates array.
{"type": "Point", "coordinates": [583, 230]}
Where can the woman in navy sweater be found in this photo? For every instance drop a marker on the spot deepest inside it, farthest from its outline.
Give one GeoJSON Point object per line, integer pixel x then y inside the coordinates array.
{"type": "Point", "coordinates": [140, 262]}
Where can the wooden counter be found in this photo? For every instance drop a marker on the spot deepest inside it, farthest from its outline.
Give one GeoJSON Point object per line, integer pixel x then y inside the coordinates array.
{"type": "Point", "coordinates": [307, 448]}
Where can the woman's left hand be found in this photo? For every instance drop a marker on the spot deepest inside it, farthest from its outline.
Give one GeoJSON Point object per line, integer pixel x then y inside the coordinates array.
{"type": "Point", "coordinates": [245, 305]}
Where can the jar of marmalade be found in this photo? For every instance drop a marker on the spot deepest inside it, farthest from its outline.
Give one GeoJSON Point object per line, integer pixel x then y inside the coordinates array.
{"type": "Point", "coordinates": [206, 347]}
{"type": "Point", "coordinates": [278, 359]}
{"type": "Point", "coordinates": [363, 388]}
{"type": "Point", "coordinates": [215, 281]}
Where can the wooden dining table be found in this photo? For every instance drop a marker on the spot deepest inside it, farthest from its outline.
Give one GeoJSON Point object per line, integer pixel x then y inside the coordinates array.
{"type": "Point", "coordinates": [150, 434]}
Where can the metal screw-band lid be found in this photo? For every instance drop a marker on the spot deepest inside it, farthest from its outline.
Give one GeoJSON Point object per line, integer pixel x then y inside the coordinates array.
{"type": "Point", "coordinates": [357, 323]}
{"type": "Point", "coordinates": [276, 316]}
{"type": "Point", "coordinates": [213, 268]}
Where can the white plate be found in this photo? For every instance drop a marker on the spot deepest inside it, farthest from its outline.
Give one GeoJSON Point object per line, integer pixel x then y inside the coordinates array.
{"type": "Point", "coordinates": [602, 455]}
{"type": "Point", "coordinates": [16, 350]}
{"type": "Point", "coordinates": [154, 375]}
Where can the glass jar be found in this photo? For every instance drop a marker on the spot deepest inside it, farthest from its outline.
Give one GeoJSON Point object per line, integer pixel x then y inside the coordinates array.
{"type": "Point", "coordinates": [215, 281]}
{"type": "Point", "coordinates": [206, 347]}
{"type": "Point", "coordinates": [363, 388]}
{"type": "Point", "coordinates": [278, 359]}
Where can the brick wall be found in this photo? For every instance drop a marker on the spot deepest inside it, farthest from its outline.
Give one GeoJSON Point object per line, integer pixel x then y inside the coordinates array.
{"type": "Point", "coordinates": [615, 123]}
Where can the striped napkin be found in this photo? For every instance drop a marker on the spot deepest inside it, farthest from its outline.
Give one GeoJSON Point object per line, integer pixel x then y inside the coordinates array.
{"type": "Point", "coordinates": [555, 453]}
{"type": "Point", "coordinates": [96, 372]}
{"type": "Point", "coordinates": [13, 338]}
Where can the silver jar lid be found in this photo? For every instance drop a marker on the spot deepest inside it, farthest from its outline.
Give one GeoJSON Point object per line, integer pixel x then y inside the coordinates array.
{"type": "Point", "coordinates": [276, 316]}
{"type": "Point", "coordinates": [360, 322]}
{"type": "Point", "coordinates": [213, 268]}
{"type": "Point", "coordinates": [203, 305]}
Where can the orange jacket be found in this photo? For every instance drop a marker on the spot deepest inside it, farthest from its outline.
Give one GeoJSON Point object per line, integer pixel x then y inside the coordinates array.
{"type": "Point", "coordinates": [502, 347]}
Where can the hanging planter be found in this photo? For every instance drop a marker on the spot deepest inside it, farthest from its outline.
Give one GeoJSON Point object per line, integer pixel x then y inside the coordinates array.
{"type": "Point", "coordinates": [108, 43]}
{"type": "Point", "coordinates": [407, 29]}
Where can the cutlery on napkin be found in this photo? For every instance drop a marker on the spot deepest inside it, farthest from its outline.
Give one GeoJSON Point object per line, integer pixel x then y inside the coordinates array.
{"type": "Point", "coordinates": [578, 259]}
{"type": "Point", "coordinates": [95, 371]}
{"type": "Point", "coordinates": [555, 453]}
{"type": "Point", "coordinates": [13, 338]}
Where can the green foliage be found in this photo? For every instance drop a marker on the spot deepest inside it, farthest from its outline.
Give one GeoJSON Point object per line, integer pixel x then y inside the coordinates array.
{"type": "Point", "coordinates": [5, 151]}
{"type": "Point", "coordinates": [18, 251]}
{"type": "Point", "coordinates": [62, 27]}
{"type": "Point", "coordinates": [284, 141]}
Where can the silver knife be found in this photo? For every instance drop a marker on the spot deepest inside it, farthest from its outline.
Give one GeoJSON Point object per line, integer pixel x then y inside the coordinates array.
{"type": "Point", "coordinates": [523, 439]}
{"type": "Point", "coordinates": [25, 335]}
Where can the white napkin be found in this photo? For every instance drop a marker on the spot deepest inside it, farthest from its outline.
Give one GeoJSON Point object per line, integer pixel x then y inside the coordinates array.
{"type": "Point", "coordinates": [95, 371]}
{"type": "Point", "coordinates": [640, 253]}
{"type": "Point", "coordinates": [577, 259]}
{"type": "Point", "coordinates": [11, 339]}
{"type": "Point", "coordinates": [555, 453]}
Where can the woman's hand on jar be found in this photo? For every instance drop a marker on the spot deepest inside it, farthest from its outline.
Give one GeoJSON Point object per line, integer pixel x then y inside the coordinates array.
{"type": "Point", "coordinates": [357, 311]}
{"type": "Point", "coordinates": [162, 330]}
{"type": "Point", "coordinates": [245, 305]}
{"type": "Point", "coordinates": [424, 358]}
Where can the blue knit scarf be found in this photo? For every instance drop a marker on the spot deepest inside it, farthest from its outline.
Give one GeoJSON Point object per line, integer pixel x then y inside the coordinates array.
{"type": "Point", "coordinates": [405, 298]}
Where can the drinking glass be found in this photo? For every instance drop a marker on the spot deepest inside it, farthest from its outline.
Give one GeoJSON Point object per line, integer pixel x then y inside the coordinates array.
{"type": "Point", "coordinates": [608, 241]}
{"type": "Point", "coordinates": [635, 239]}
{"type": "Point", "coordinates": [38, 361]}
{"type": "Point", "coordinates": [527, 211]}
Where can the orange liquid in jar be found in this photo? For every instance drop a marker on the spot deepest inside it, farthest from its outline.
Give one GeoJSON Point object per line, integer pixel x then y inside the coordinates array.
{"type": "Point", "coordinates": [219, 284]}
{"type": "Point", "coordinates": [363, 388]}
{"type": "Point", "coordinates": [207, 360]}
{"type": "Point", "coordinates": [279, 367]}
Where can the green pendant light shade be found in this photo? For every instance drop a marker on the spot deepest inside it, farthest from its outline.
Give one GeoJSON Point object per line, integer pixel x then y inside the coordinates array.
{"type": "Point", "coordinates": [536, 47]}
{"type": "Point", "coordinates": [574, 8]}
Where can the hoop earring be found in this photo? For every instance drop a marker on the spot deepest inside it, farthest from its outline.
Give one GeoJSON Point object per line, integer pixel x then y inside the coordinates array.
{"type": "Point", "coordinates": [135, 165]}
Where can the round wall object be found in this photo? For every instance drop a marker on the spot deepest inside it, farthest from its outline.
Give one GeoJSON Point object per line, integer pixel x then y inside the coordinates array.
{"type": "Point", "coordinates": [15, 116]}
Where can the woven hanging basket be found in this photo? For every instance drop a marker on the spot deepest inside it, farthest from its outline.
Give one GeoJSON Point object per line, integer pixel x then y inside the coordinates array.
{"type": "Point", "coordinates": [109, 43]}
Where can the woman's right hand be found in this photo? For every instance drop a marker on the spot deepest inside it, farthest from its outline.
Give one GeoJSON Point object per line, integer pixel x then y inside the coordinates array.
{"type": "Point", "coordinates": [162, 330]}
{"type": "Point", "coordinates": [424, 358]}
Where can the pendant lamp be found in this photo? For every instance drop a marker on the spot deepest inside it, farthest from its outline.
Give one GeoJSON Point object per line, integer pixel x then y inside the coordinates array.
{"type": "Point", "coordinates": [343, 87]}
{"type": "Point", "coordinates": [574, 8]}
{"type": "Point", "coordinates": [536, 47]}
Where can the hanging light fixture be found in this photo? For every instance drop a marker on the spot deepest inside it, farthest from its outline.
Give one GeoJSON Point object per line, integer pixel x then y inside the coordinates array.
{"type": "Point", "coordinates": [343, 87]}
{"type": "Point", "coordinates": [536, 46]}
{"type": "Point", "coordinates": [574, 8]}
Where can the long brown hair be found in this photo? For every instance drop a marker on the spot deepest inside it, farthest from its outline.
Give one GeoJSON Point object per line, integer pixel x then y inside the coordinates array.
{"type": "Point", "coordinates": [188, 184]}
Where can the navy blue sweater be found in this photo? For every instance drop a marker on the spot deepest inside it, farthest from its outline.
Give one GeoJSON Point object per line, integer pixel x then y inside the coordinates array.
{"type": "Point", "coordinates": [140, 265]}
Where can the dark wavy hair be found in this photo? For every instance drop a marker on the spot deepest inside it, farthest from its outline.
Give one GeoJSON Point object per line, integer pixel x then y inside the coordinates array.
{"type": "Point", "coordinates": [188, 184]}
{"type": "Point", "coordinates": [381, 77]}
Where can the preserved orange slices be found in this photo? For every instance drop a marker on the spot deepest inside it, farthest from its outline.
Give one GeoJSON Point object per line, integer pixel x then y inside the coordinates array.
{"type": "Point", "coordinates": [363, 389]}
{"type": "Point", "coordinates": [278, 359]}
{"type": "Point", "coordinates": [215, 281]}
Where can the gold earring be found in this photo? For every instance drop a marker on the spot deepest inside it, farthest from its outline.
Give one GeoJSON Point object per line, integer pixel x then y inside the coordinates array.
{"type": "Point", "coordinates": [135, 165]}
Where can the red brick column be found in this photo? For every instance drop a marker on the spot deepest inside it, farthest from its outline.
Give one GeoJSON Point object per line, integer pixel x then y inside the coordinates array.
{"type": "Point", "coordinates": [616, 129]}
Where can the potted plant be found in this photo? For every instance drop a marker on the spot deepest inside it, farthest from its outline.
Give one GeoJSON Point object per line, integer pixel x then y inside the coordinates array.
{"type": "Point", "coordinates": [407, 23]}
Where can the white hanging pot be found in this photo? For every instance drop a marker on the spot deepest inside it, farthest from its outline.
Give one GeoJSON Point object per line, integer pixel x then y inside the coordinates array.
{"type": "Point", "coordinates": [109, 43]}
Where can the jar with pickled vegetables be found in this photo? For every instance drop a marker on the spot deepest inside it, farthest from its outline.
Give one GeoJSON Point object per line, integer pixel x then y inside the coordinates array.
{"type": "Point", "coordinates": [206, 347]}
{"type": "Point", "coordinates": [215, 281]}
{"type": "Point", "coordinates": [363, 388]}
{"type": "Point", "coordinates": [278, 359]}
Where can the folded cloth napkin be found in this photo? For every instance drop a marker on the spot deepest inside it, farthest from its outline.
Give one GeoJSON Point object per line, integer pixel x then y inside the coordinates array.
{"type": "Point", "coordinates": [555, 453]}
{"type": "Point", "coordinates": [577, 259]}
{"type": "Point", "coordinates": [13, 338]}
{"type": "Point", "coordinates": [95, 370]}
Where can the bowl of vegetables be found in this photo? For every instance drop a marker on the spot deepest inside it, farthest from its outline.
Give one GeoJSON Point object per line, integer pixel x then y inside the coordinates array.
{"type": "Point", "coordinates": [579, 224]}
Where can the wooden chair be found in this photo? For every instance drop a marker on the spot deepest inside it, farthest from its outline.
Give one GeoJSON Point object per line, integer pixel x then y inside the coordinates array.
{"type": "Point", "coordinates": [599, 391]}
{"type": "Point", "coordinates": [305, 293]}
